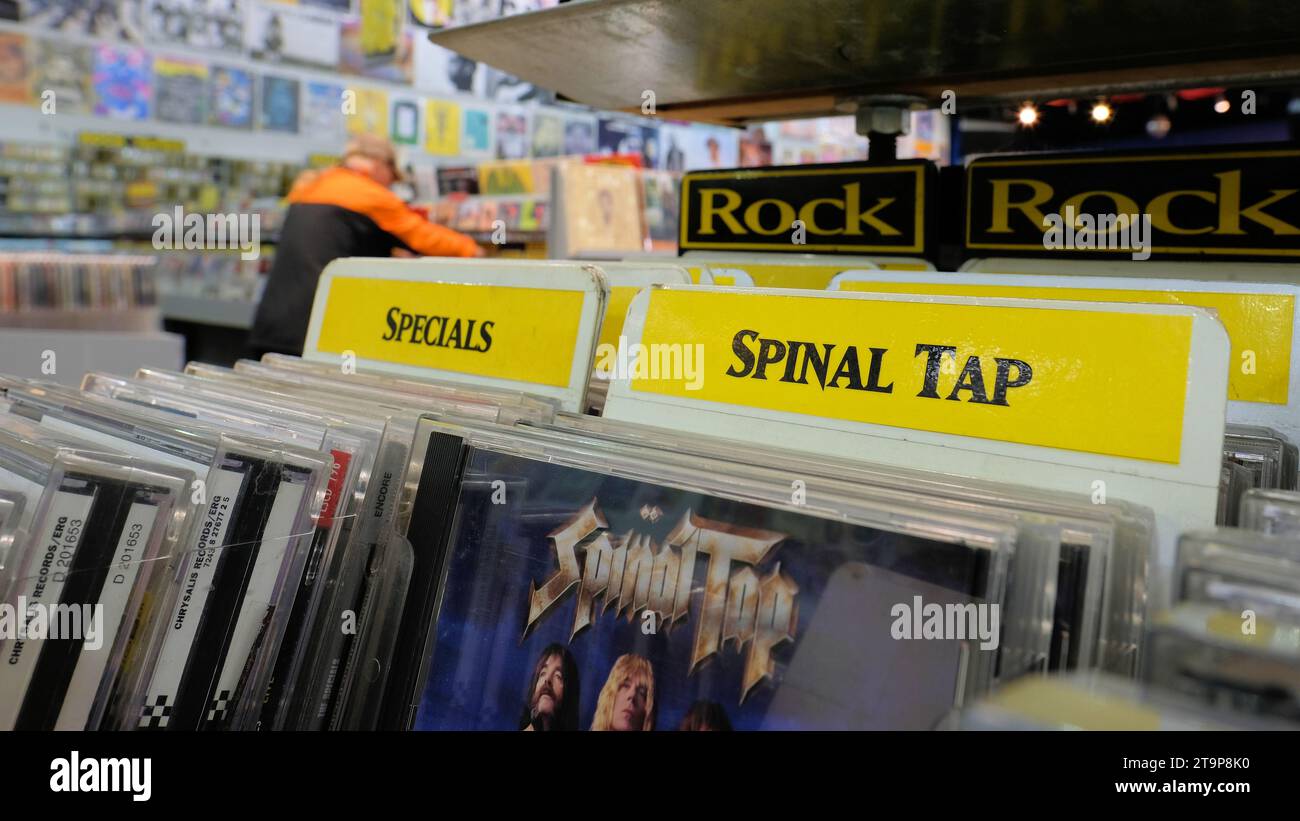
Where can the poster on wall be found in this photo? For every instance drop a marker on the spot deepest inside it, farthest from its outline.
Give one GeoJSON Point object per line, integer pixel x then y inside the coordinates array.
{"type": "Point", "coordinates": [279, 104]}
{"type": "Point", "coordinates": [512, 134]}
{"type": "Point", "coordinates": [232, 97]}
{"type": "Point", "coordinates": [805, 130]}
{"type": "Point", "coordinates": [673, 143]}
{"type": "Point", "coordinates": [89, 18]}
{"type": "Point", "coordinates": [369, 114]}
{"type": "Point", "coordinates": [579, 134]}
{"type": "Point", "coordinates": [659, 195]}
{"type": "Point", "coordinates": [180, 92]}
{"type": "Point", "coordinates": [548, 133]}
{"type": "Point", "coordinates": [476, 133]}
{"type": "Point", "coordinates": [509, 7]}
{"type": "Point", "coordinates": [442, 128]}
{"type": "Point", "coordinates": [282, 34]}
{"type": "Point", "coordinates": [755, 148]}
{"type": "Point", "coordinates": [376, 44]}
{"type": "Point", "coordinates": [442, 71]}
{"type": "Point", "coordinates": [123, 83]}
{"type": "Point", "coordinates": [503, 87]}
{"type": "Point", "coordinates": [651, 152]}
{"type": "Point", "coordinates": [15, 68]}
{"type": "Point", "coordinates": [431, 13]}
{"type": "Point", "coordinates": [452, 180]}
{"type": "Point", "coordinates": [65, 69]}
{"type": "Point", "coordinates": [216, 25]}
{"type": "Point", "coordinates": [322, 111]}
{"type": "Point", "coordinates": [465, 12]}
{"type": "Point", "coordinates": [706, 147]}
{"type": "Point", "coordinates": [629, 138]}
{"type": "Point", "coordinates": [404, 122]}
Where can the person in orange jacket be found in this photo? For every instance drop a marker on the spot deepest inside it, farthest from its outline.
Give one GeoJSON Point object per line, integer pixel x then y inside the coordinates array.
{"type": "Point", "coordinates": [345, 211]}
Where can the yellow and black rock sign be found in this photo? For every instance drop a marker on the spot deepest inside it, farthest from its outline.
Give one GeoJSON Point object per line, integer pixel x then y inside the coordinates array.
{"type": "Point", "coordinates": [849, 208]}
{"type": "Point", "coordinates": [1234, 204]}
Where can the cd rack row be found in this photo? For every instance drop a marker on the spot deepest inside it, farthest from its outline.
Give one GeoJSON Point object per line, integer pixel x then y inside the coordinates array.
{"type": "Point", "coordinates": [291, 544]}
{"type": "Point", "coordinates": [75, 282]}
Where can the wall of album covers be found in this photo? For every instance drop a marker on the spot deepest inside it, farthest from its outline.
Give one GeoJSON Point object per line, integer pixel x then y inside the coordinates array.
{"type": "Point", "coordinates": [269, 80]}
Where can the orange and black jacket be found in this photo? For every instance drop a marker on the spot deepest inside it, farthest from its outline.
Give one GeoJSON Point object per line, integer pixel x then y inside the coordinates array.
{"type": "Point", "coordinates": [337, 213]}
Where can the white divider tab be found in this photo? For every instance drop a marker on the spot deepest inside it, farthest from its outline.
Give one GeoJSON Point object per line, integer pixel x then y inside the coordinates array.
{"type": "Point", "coordinates": [522, 325]}
{"type": "Point", "coordinates": [1115, 401]}
{"type": "Point", "coordinates": [1261, 319]}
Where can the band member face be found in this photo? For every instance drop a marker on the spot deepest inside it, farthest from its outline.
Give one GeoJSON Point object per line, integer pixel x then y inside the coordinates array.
{"type": "Point", "coordinates": [630, 704]}
{"type": "Point", "coordinates": [548, 690]}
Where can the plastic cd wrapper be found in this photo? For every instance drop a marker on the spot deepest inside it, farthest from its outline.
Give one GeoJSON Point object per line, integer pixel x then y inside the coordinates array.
{"type": "Point", "coordinates": [350, 668]}
{"type": "Point", "coordinates": [1242, 570]}
{"type": "Point", "coordinates": [13, 504]}
{"type": "Point", "coordinates": [340, 393]}
{"type": "Point", "coordinates": [1226, 659]}
{"type": "Point", "coordinates": [1095, 701]}
{"type": "Point", "coordinates": [245, 553]}
{"type": "Point", "coordinates": [667, 599]}
{"type": "Point", "coordinates": [350, 448]}
{"type": "Point", "coordinates": [88, 581]}
{"type": "Point", "coordinates": [399, 577]}
{"type": "Point", "coordinates": [1276, 512]}
{"type": "Point", "coordinates": [1270, 457]}
{"type": "Point", "coordinates": [1100, 554]}
{"type": "Point", "coordinates": [1036, 635]}
{"type": "Point", "coordinates": [508, 406]}
{"type": "Point", "coordinates": [1234, 480]}
{"type": "Point", "coordinates": [414, 386]}
{"type": "Point", "coordinates": [369, 576]}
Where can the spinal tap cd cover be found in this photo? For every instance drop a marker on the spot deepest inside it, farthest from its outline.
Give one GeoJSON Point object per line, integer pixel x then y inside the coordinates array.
{"type": "Point", "coordinates": [574, 600]}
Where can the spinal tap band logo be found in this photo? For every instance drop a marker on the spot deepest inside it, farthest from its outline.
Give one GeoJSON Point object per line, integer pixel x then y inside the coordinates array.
{"type": "Point", "coordinates": [631, 574]}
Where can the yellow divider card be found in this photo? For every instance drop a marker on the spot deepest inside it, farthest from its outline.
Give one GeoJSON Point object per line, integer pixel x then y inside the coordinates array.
{"type": "Point", "coordinates": [1104, 382]}
{"type": "Point", "coordinates": [1259, 325]}
{"type": "Point", "coordinates": [776, 275]}
{"type": "Point", "coordinates": [524, 334]}
{"type": "Point", "coordinates": [615, 313]}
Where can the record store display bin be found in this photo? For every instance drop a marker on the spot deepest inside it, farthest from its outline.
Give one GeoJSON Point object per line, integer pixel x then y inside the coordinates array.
{"type": "Point", "coordinates": [979, 416]}
{"type": "Point", "coordinates": [388, 533]}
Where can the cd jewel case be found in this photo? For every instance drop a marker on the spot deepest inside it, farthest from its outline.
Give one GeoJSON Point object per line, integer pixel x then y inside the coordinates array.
{"type": "Point", "coordinates": [669, 608]}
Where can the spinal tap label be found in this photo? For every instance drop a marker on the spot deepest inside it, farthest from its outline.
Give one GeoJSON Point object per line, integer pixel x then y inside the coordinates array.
{"type": "Point", "coordinates": [1093, 381]}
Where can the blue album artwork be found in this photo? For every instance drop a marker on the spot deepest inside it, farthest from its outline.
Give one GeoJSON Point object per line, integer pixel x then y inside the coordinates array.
{"type": "Point", "coordinates": [575, 600]}
{"type": "Point", "coordinates": [279, 104]}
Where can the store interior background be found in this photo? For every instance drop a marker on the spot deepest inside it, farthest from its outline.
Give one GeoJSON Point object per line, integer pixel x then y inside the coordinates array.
{"type": "Point", "coordinates": [115, 111]}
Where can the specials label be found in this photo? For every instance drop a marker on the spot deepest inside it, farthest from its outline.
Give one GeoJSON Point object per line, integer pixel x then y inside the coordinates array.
{"type": "Point", "coordinates": [1229, 203]}
{"type": "Point", "coordinates": [523, 334]}
{"type": "Point", "coordinates": [852, 208]}
{"type": "Point", "coordinates": [1004, 373]}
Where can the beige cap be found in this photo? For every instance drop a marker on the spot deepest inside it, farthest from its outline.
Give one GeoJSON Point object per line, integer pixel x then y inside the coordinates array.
{"type": "Point", "coordinates": [376, 148]}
